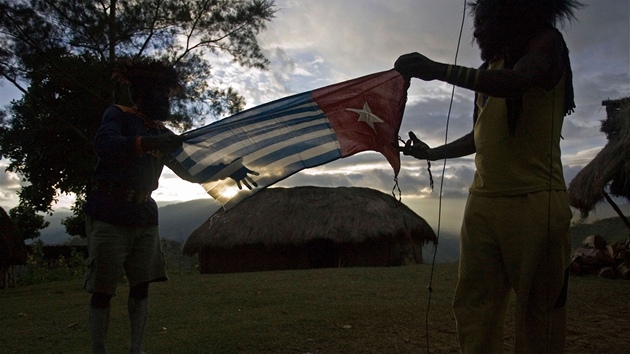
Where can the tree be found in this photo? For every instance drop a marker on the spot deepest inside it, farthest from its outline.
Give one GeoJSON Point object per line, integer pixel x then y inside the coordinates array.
{"type": "Point", "coordinates": [61, 55]}
{"type": "Point", "coordinates": [27, 223]}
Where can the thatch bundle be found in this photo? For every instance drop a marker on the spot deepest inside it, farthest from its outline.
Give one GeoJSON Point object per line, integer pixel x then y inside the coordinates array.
{"type": "Point", "coordinates": [310, 227]}
{"type": "Point", "coordinates": [12, 248]}
{"type": "Point", "coordinates": [610, 166]}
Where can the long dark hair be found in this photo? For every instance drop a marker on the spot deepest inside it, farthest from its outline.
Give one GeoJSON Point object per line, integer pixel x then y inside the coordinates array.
{"type": "Point", "coordinates": [503, 27]}
{"type": "Point", "coordinates": [552, 12]}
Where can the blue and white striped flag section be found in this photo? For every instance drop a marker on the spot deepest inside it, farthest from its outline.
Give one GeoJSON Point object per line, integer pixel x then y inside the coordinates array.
{"type": "Point", "coordinates": [235, 157]}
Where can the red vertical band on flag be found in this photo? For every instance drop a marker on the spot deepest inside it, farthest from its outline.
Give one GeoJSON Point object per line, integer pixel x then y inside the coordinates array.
{"type": "Point", "coordinates": [366, 113]}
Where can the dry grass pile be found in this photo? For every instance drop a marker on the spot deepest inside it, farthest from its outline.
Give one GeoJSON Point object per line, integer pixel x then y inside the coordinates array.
{"type": "Point", "coordinates": [611, 166]}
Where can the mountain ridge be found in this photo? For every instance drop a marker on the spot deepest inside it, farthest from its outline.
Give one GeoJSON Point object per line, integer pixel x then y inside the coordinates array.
{"type": "Point", "coordinates": [179, 220]}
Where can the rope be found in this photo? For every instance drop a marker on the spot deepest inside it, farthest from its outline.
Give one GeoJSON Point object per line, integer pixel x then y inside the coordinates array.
{"type": "Point", "coordinates": [448, 118]}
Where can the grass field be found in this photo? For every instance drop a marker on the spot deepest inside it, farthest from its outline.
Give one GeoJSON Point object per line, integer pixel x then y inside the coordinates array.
{"type": "Point", "coordinates": [351, 310]}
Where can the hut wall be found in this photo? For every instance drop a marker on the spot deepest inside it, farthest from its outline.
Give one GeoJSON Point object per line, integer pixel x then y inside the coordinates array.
{"type": "Point", "coordinates": [406, 250]}
{"type": "Point", "coordinates": [251, 259]}
{"type": "Point", "coordinates": [319, 253]}
{"type": "Point", "coordinates": [370, 253]}
{"type": "Point", "coordinates": [383, 252]}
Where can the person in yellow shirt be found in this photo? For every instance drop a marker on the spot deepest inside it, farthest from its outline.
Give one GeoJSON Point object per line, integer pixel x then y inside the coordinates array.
{"type": "Point", "coordinates": [515, 232]}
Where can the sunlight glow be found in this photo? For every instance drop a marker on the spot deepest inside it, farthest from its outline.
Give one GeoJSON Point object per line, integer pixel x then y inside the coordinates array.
{"type": "Point", "coordinates": [221, 195]}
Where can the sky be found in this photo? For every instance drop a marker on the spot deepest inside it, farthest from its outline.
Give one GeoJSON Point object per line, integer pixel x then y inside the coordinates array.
{"type": "Point", "coordinates": [311, 44]}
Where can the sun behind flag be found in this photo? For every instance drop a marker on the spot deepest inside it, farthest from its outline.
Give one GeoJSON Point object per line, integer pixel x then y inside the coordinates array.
{"type": "Point", "coordinates": [235, 157]}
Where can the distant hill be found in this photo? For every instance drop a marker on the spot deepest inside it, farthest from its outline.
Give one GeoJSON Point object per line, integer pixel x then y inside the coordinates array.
{"type": "Point", "coordinates": [611, 229]}
{"type": "Point", "coordinates": [178, 221]}
{"type": "Point", "coordinates": [55, 233]}
{"type": "Point", "coordinates": [447, 250]}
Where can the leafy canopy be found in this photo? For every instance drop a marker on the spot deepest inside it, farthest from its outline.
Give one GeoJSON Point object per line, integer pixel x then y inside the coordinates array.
{"type": "Point", "coordinates": [61, 54]}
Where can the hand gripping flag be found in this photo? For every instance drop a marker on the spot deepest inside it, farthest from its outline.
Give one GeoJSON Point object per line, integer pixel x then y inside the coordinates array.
{"type": "Point", "coordinates": [263, 145]}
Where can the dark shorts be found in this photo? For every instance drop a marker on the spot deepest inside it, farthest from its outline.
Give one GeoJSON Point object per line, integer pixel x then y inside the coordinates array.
{"type": "Point", "coordinates": [114, 249]}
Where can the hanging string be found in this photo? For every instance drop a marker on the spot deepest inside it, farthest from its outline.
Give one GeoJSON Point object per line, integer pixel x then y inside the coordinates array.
{"type": "Point", "coordinates": [431, 183]}
{"type": "Point", "coordinates": [396, 185]}
{"type": "Point", "coordinates": [448, 117]}
{"type": "Point", "coordinates": [549, 181]}
{"type": "Point", "coordinates": [395, 188]}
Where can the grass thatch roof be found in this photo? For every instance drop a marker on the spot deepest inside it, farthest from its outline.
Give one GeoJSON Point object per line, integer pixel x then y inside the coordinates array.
{"type": "Point", "coordinates": [12, 248]}
{"type": "Point", "coordinates": [611, 166]}
{"type": "Point", "coordinates": [294, 216]}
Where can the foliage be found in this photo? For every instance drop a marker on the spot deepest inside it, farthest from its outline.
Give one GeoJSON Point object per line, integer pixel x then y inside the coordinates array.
{"type": "Point", "coordinates": [49, 132]}
{"type": "Point", "coordinates": [27, 223]}
{"type": "Point", "coordinates": [174, 259]}
{"type": "Point", "coordinates": [61, 55]}
{"type": "Point", "coordinates": [39, 270]}
{"type": "Point", "coordinates": [36, 265]}
{"type": "Point", "coordinates": [75, 224]}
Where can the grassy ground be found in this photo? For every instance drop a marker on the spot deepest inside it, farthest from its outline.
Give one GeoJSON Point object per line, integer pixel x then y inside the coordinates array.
{"type": "Point", "coordinates": [352, 310]}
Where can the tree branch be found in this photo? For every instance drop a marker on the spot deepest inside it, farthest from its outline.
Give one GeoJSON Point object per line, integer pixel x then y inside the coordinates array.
{"type": "Point", "coordinates": [53, 115]}
{"type": "Point", "coordinates": [151, 29]}
{"type": "Point", "coordinates": [79, 25]}
{"type": "Point", "coordinates": [28, 40]}
{"type": "Point", "coordinates": [208, 42]}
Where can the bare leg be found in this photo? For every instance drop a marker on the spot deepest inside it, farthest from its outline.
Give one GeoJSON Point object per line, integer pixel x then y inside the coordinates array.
{"type": "Point", "coordinates": [138, 306]}
{"type": "Point", "coordinates": [99, 321]}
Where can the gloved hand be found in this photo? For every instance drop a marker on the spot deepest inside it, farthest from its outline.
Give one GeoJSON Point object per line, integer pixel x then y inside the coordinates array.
{"type": "Point", "coordinates": [165, 143]}
{"type": "Point", "coordinates": [417, 65]}
{"type": "Point", "coordinates": [415, 147]}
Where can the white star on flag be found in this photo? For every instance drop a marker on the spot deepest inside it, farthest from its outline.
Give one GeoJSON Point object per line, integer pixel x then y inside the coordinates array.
{"type": "Point", "coordinates": [366, 115]}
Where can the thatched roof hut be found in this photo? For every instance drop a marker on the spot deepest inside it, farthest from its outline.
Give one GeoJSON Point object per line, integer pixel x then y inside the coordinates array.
{"type": "Point", "coordinates": [310, 227]}
{"type": "Point", "coordinates": [12, 248]}
{"type": "Point", "coordinates": [611, 166]}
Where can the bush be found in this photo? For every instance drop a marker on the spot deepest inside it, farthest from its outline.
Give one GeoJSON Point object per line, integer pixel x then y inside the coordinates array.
{"type": "Point", "coordinates": [40, 270]}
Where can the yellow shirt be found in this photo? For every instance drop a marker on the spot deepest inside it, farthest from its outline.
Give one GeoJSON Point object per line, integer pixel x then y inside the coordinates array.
{"type": "Point", "coordinates": [524, 163]}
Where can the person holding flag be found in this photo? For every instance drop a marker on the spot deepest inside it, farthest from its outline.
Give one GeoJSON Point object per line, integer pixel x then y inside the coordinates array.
{"type": "Point", "coordinates": [133, 146]}
{"type": "Point", "coordinates": [515, 232]}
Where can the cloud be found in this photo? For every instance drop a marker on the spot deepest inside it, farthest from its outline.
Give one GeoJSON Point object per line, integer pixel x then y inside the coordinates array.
{"type": "Point", "coordinates": [10, 184]}
{"type": "Point", "coordinates": [355, 38]}
{"type": "Point", "coordinates": [9, 180]}
{"type": "Point", "coordinates": [317, 43]}
{"type": "Point", "coordinates": [311, 44]}
{"type": "Point", "coordinates": [366, 169]}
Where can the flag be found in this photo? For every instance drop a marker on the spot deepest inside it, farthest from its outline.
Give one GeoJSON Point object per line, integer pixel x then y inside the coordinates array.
{"type": "Point", "coordinates": [235, 157]}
